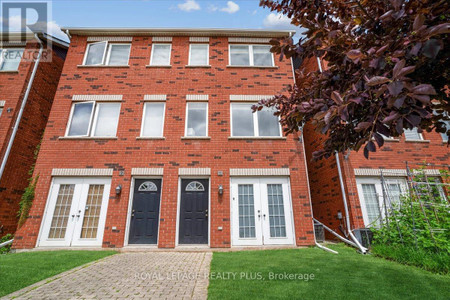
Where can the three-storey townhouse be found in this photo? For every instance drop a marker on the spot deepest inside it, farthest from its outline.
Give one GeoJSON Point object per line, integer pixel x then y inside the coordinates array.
{"type": "Point", "coordinates": [28, 84]}
{"type": "Point", "coordinates": [152, 141]}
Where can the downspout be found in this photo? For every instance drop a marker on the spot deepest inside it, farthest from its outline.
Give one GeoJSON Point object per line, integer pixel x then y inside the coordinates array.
{"type": "Point", "coordinates": [344, 196]}
{"type": "Point", "coordinates": [22, 107]}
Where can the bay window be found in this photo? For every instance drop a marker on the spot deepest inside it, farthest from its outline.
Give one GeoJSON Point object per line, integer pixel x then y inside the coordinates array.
{"type": "Point", "coordinates": [251, 55]}
{"type": "Point", "coordinates": [105, 53]}
{"type": "Point", "coordinates": [245, 123]}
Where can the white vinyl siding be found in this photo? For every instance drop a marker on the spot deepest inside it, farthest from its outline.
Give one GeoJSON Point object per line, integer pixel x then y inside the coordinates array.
{"type": "Point", "coordinates": [260, 124]}
{"type": "Point", "coordinates": [160, 54]}
{"type": "Point", "coordinates": [251, 55]}
{"type": "Point", "coordinates": [198, 54]}
{"type": "Point", "coordinates": [196, 119]}
{"type": "Point", "coordinates": [10, 59]}
{"type": "Point", "coordinates": [104, 53]}
{"type": "Point", "coordinates": [153, 119]}
{"type": "Point", "coordinates": [94, 119]}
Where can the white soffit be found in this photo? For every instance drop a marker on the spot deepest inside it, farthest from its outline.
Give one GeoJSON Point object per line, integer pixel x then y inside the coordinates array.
{"type": "Point", "coordinates": [391, 172]}
{"type": "Point", "coordinates": [82, 172]}
{"type": "Point", "coordinates": [249, 40]}
{"type": "Point", "coordinates": [109, 38]}
{"type": "Point", "coordinates": [97, 97]}
{"type": "Point", "coordinates": [198, 97]}
{"type": "Point", "coordinates": [247, 98]}
{"type": "Point", "coordinates": [147, 171]}
{"type": "Point", "coordinates": [260, 172]}
{"type": "Point", "coordinates": [155, 97]}
{"type": "Point", "coordinates": [194, 171]}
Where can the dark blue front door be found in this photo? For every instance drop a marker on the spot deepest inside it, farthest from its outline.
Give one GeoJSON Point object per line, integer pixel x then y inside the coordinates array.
{"type": "Point", "coordinates": [145, 211]}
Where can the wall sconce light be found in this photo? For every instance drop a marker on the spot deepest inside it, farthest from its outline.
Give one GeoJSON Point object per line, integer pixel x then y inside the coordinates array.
{"type": "Point", "coordinates": [118, 189]}
{"type": "Point", "coordinates": [220, 189]}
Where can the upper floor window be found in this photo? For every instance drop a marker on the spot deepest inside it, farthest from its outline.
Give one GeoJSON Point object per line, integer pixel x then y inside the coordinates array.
{"type": "Point", "coordinates": [444, 134]}
{"type": "Point", "coordinates": [94, 119]}
{"type": "Point", "coordinates": [1, 110]}
{"type": "Point", "coordinates": [413, 135]}
{"type": "Point", "coordinates": [10, 59]}
{"type": "Point", "coordinates": [251, 55]}
{"type": "Point", "coordinates": [198, 54]}
{"type": "Point", "coordinates": [153, 119]}
{"type": "Point", "coordinates": [160, 55]}
{"type": "Point", "coordinates": [260, 124]}
{"type": "Point", "coordinates": [104, 53]}
{"type": "Point", "coordinates": [196, 119]}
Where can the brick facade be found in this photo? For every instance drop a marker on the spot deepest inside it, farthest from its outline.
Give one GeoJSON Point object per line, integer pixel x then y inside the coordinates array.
{"type": "Point", "coordinates": [219, 153]}
{"type": "Point", "coordinates": [34, 119]}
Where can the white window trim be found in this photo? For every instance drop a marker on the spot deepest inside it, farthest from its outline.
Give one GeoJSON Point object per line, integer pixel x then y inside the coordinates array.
{"type": "Point", "coordinates": [170, 53]}
{"type": "Point", "coordinates": [106, 53]}
{"type": "Point", "coordinates": [143, 119]}
{"type": "Point", "coordinates": [414, 140]}
{"type": "Point", "coordinates": [250, 53]}
{"type": "Point", "coordinates": [92, 121]}
{"type": "Point", "coordinates": [207, 121]}
{"type": "Point", "coordinates": [2, 51]}
{"type": "Point", "coordinates": [255, 124]}
{"type": "Point", "coordinates": [190, 52]}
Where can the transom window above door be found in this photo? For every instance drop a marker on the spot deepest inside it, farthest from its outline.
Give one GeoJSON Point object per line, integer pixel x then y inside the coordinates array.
{"type": "Point", "coordinates": [97, 119]}
{"type": "Point", "coordinates": [259, 124]}
{"type": "Point", "coordinates": [195, 186]}
{"type": "Point", "coordinates": [251, 55]}
{"type": "Point", "coordinates": [160, 55]}
{"type": "Point", "coordinates": [10, 59]}
{"type": "Point", "coordinates": [198, 54]}
{"type": "Point", "coordinates": [105, 53]}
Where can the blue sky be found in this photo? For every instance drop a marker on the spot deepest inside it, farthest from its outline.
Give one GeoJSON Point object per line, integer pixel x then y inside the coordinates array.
{"type": "Point", "coordinates": [160, 13]}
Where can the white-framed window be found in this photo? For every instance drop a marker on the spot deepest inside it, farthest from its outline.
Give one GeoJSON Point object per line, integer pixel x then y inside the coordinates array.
{"type": "Point", "coordinates": [260, 124]}
{"type": "Point", "coordinates": [199, 54]}
{"type": "Point", "coordinates": [196, 119]}
{"type": "Point", "coordinates": [105, 53]}
{"type": "Point", "coordinates": [444, 135]}
{"type": "Point", "coordinates": [1, 110]}
{"type": "Point", "coordinates": [161, 55]}
{"type": "Point", "coordinates": [153, 119]}
{"type": "Point", "coordinates": [10, 59]}
{"type": "Point", "coordinates": [413, 135]}
{"type": "Point", "coordinates": [93, 119]}
{"type": "Point", "coordinates": [371, 198]}
{"type": "Point", "coordinates": [251, 55]}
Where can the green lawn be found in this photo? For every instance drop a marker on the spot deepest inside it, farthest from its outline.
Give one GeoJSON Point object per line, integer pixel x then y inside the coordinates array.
{"type": "Point", "coordinates": [348, 275]}
{"type": "Point", "coordinates": [18, 270]}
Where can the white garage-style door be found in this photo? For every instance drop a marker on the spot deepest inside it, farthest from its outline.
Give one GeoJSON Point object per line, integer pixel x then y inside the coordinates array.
{"type": "Point", "coordinates": [76, 212]}
{"type": "Point", "coordinates": [261, 212]}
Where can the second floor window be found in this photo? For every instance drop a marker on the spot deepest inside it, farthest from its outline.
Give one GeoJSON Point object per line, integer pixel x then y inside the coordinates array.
{"type": "Point", "coordinates": [10, 59]}
{"type": "Point", "coordinates": [413, 135]}
{"type": "Point", "coordinates": [196, 119]}
{"type": "Point", "coordinates": [153, 119]}
{"type": "Point", "coordinates": [160, 55]}
{"type": "Point", "coordinates": [251, 55]}
{"type": "Point", "coordinates": [1, 110]}
{"type": "Point", "coordinates": [248, 124]}
{"type": "Point", "coordinates": [93, 119]}
{"type": "Point", "coordinates": [198, 54]}
{"type": "Point", "coordinates": [104, 53]}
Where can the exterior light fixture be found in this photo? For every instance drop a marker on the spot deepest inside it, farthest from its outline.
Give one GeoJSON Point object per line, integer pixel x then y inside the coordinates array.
{"type": "Point", "coordinates": [118, 189]}
{"type": "Point", "coordinates": [220, 189]}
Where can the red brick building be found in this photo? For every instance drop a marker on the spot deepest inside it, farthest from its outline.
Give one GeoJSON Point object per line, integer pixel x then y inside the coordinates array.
{"type": "Point", "coordinates": [151, 141]}
{"type": "Point", "coordinates": [362, 177]}
{"type": "Point", "coordinates": [25, 104]}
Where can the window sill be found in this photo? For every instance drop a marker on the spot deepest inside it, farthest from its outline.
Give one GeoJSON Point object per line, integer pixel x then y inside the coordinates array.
{"type": "Point", "coordinates": [257, 138]}
{"type": "Point", "coordinates": [198, 66]}
{"type": "Point", "coordinates": [150, 138]}
{"type": "Point", "coordinates": [103, 66]}
{"type": "Point", "coordinates": [391, 140]}
{"type": "Point", "coordinates": [253, 67]}
{"type": "Point", "coordinates": [9, 71]}
{"type": "Point", "coordinates": [195, 137]}
{"type": "Point", "coordinates": [88, 138]}
{"type": "Point", "coordinates": [417, 141]}
{"type": "Point", "coordinates": [158, 66]}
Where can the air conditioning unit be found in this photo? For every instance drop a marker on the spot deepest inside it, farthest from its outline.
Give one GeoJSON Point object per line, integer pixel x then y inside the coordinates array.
{"type": "Point", "coordinates": [364, 236]}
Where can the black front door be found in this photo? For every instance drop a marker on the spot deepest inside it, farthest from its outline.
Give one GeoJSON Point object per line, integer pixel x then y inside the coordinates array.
{"type": "Point", "coordinates": [194, 211]}
{"type": "Point", "coordinates": [145, 211]}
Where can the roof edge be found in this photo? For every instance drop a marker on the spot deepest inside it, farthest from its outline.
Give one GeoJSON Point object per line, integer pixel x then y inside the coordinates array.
{"type": "Point", "coordinates": [30, 36]}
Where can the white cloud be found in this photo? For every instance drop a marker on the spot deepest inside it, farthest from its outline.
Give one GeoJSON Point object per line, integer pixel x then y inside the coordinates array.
{"type": "Point", "coordinates": [189, 5]}
{"type": "Point", "coordinates": [278, 21]}
{"type": "Point", "coordinates": [212, 8]}
{"type": "Point", "coordinates": [231, 7]}
{"type": "Point", "coordinates": [52, 28]}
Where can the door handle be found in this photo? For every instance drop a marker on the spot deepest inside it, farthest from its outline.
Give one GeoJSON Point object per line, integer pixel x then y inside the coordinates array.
{"type": "Point", "coordinates": [132, 212]}
{"type": "Point", "coordinates": [259, 215]}
{"type": "Point", "coordinates": [206, 213]}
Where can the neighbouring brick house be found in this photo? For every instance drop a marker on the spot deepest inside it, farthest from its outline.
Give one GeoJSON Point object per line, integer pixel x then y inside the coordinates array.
{"type": "Point", "coordinates": [151, 140]}
{"type": "Point", "coordinates": [17, 147]}
{"type": "Point", "coordinates": [362, 177]}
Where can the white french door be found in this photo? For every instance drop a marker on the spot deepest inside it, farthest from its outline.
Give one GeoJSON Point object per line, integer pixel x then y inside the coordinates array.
{"type": "Point", "coordinates": [261, 212]}
{"type": "Point", "coordinates": [76, 212]}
